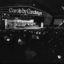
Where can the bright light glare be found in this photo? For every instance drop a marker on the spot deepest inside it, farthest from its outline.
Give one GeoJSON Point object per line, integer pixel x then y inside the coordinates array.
{"type": "Point", "coordinates": [59, 56]}
{"type": "Point", "coordinates": [8, 39]}
{"type": "Point", "coordinates": [19, 40]}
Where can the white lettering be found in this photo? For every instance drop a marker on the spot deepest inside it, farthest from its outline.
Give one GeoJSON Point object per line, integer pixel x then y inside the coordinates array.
{"type": "Point", "coordinates": [25, 11]}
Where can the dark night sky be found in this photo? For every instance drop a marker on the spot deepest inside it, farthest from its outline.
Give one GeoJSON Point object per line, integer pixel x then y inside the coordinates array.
{"type": "Point", "coordinates": [51, 6]}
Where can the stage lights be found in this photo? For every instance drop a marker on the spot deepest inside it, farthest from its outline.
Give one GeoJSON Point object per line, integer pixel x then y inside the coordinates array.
{"type": "Point", "coordinates": [38, 33]}
{"type": "Point", "coordinates": [19, 40]}
{"type": "Point", "coordinates": [59, 57]}
{"type": "Point", "coordinates": [8, 39]}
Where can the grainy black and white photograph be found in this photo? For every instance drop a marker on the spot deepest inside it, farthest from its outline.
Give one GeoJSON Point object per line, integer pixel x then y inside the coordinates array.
{"type": "Point", "coordinates": [31, 31]}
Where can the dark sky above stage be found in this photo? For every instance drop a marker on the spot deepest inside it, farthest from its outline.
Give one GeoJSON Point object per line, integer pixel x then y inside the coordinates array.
{"type": "Point", "coordinates": [51, 6]}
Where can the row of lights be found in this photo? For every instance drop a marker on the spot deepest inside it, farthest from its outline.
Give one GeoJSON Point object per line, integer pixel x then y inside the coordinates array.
{"type": "Point", "coordinates": [33, 32]}
{"type": "Point", "coordinates": [8, 39]}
